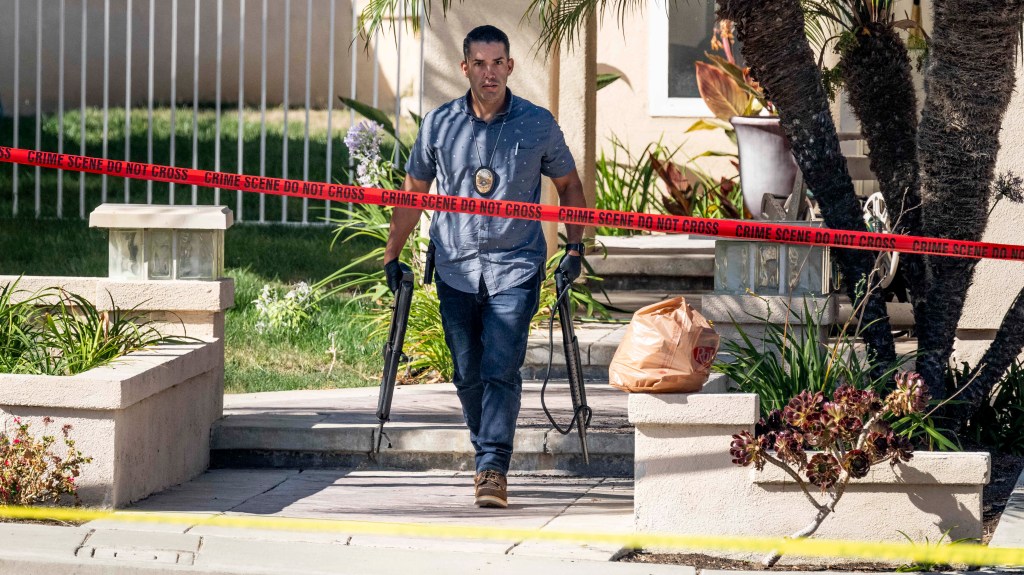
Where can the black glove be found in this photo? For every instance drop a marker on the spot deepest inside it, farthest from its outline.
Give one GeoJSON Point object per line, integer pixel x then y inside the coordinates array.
{"type": "Point", "coordinates": [393, 271]}
{"type": "Point", "coordinates": [571, 266]}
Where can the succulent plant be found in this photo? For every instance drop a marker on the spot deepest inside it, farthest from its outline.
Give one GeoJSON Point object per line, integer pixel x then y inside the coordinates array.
{"type": "Point", "coordinates": [823, 470]}
{"type": "Point", "coordinates": [789, 445]}
{"type": "Point", "coordinates": [900, 449]}
{"type": "Point", "coordinates": [774, 423]}
{"type": "Point", "coordinates": [910, 396]}
{"type": "Point", "coordinates": [877, 445]}
{"type": "Point", "coordinates": [848, 398]}
{"type": "Point", "coordinates": [746, 449]}
{"type": "Point", "coordinates": [804, 410]}
{"type": "Point", "coordinates": [857, 463]}
{"type": "Point", "coordinates": [850, 427]}
{"type": "Point", "coordinates": [848, 433]}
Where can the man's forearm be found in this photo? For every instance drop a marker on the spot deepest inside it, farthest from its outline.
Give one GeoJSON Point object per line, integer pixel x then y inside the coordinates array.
{"type": "Point", "coordinates": [570, 194]}
{"type": "Point", "coordinates": [404, 220]}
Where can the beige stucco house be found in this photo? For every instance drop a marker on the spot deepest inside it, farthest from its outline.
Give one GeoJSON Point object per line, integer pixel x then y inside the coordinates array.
{"type": "Point", "coordinates": [653, 49]}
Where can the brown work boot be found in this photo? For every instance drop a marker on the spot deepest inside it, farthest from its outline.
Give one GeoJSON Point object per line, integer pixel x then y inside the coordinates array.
{"type": "Point", "coordinates": [491, 489]}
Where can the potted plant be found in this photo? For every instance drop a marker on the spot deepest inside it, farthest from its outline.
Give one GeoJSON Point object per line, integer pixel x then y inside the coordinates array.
{"type": "Point", "coordinates": [766, 162]}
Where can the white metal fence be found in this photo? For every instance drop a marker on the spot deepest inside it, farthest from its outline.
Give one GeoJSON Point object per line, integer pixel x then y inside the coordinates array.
{"type": "Point", "coordinates": [139, 20]}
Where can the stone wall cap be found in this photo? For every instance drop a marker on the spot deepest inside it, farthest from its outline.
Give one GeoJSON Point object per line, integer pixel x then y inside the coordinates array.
{"type": "Point", "coordinates": [141, 295]}
{"type": "Point", "coordinates": [750, 309]}
{"type": "Point", "coordinates": [686, 409]}
{"type": "Point", "coordinates": [925, 468]}
{"type": "Point", "coordinates": [163, 217]}
{"type": "Point", "coordinates": [119, 384]}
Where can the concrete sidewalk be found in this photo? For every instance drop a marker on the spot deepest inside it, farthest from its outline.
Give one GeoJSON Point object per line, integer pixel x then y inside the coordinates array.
{"type": "Point", "coordinates": [436, 499]}
{"type": "Point", "coordinates": [542, 501]}
{"type": "Point", "coordinates": [43, 550]}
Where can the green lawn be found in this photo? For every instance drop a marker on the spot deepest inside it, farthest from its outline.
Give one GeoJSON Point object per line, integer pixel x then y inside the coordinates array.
{"type": "Point", "coordinates": [138, 191]}
{"type": "Point", "coordinates": [255, 255]}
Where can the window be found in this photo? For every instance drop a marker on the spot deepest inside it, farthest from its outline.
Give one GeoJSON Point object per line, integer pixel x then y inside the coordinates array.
{"type": "Point", "coordinates": [679, 35]}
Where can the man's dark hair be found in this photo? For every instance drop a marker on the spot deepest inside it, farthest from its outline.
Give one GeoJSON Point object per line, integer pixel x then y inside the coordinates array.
{"type": "Point", "coordinates": [486, 34]}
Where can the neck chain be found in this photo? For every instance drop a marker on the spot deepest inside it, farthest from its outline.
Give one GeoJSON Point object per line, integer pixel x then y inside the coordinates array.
{"type": "Point", "coordinates": [484, 179]}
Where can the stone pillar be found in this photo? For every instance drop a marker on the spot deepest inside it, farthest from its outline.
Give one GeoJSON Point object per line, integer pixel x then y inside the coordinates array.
{"type": "Point", "coordinates": [574, 104]}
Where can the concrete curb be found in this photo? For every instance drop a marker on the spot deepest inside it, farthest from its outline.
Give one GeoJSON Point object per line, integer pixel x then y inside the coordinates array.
{"type": "Point", "coordinates": [31, 550]}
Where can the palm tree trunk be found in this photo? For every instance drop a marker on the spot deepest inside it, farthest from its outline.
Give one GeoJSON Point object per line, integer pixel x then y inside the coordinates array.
{"type": "Point", "coordinates": [970, 78]}
{"type": "Point", "coordinates": [1004, 350]}
{"type": "Point", "coordinates": [877, 75]}
{"type": "Point", "coordinates": [776, 49]}
{"type": "Point", "coordinates": [876, 71]}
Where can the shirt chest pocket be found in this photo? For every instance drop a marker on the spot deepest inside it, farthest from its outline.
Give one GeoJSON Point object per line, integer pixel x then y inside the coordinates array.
{"type": "Point", "coordinates": [526, 163]}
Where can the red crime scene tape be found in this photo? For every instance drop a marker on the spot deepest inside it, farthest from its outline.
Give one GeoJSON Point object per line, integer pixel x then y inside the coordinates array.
{"type": "Point", "coordinates": [736, 229]}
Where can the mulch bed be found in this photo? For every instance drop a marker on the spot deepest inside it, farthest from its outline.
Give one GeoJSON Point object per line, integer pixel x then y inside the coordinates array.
{"type": "Point", "coordinates": [708, 562]}
{"type": "Point", "coordinates": [1005, 471]}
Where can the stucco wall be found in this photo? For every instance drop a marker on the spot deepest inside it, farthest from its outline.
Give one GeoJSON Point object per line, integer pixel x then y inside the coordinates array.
{"type": "Point", "coordinates": [623, 107]}
{"type": "Point", "coordinates": [145, 419]}
{"type": "Point", "coordinates": [443, 51]}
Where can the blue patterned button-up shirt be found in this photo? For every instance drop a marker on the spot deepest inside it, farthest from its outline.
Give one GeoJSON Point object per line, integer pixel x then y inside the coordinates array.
{"type": "Point", "coordinates": [452, 144]}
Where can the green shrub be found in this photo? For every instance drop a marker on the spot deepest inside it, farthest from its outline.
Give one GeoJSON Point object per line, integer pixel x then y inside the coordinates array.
{"type": "Point", "coordinates": [626, 184]}
{"type": "Point", "coordinates": [17, 321]}
{"type": "Point", "coordinates": [68, 336]}
{"type": "Point", "coordinates": [789, 362]}
{"type": "Point", "coordinates": [999, 421]}
{"type": "Point", "coordinates": [286, 313]}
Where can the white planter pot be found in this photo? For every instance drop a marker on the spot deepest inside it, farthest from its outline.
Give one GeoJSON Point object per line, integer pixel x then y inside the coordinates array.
{"type": "Point", "coordinates": [144, 419]}
{"type": "Point", "coordinates": [685, 481]}
{"type": "Point", "coordinates": [767, 165]}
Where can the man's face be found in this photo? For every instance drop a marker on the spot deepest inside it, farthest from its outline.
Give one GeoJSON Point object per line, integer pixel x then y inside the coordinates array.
{"type": "Point", "coordinates": [487, 68]}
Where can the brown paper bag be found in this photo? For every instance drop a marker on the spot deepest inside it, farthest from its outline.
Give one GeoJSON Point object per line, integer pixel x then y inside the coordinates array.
{"type": "Point", "coordinates": [668, 348]}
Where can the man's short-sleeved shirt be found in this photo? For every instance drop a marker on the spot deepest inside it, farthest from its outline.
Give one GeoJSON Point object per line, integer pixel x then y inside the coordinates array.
{"type": "Point", "coordinates": [452, 144]}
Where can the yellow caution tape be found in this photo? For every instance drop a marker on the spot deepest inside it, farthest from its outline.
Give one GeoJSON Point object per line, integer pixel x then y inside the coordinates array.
{"type": "Point", "coordinates": [956, 553]}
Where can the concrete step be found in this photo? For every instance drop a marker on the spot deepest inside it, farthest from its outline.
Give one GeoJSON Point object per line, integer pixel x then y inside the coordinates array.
{"type": "Point", "coordinates": [338, 429]}
{"type": "Point", "coordinates": [655, 272]}
{"type": "Point", "coordinates": [654, 262]}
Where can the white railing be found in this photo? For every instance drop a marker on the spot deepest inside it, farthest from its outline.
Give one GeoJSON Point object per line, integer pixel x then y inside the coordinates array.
{"type": "Point", "coordinates": [133, 17]}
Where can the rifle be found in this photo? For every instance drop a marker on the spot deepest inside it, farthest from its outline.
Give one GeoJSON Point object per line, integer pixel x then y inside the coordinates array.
{"type": "Point", "coordinates": [581, 412]}
{"type": "Point", "coordinates": [396, 339]}
{"type": "Point", "coordinates": [393, 354]}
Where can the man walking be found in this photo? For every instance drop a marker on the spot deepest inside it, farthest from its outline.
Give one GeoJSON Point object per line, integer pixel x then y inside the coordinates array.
{"type": "Point", "coordinates": [488, 144]}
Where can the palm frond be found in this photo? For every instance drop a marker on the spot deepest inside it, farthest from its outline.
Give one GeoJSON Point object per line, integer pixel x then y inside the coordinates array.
{"type": "Point", "coordinates": [396, 13]}
{"type": "Point", "coordinates": [563, 21]}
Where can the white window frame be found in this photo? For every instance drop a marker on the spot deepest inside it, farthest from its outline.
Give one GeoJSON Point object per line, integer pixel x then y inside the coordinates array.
{"type": "Point", "coordinates": [658, 101]}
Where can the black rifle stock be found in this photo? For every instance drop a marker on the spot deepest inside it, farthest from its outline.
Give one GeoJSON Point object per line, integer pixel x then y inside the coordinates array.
{"type": "Point", "coordinates": [393, 353]}
{"type": "Point", "coordinates": [581, 411]}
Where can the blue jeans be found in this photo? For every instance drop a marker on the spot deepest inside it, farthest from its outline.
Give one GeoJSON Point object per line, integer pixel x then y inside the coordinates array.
{"type": "Point", "coordinates": [487, 337]}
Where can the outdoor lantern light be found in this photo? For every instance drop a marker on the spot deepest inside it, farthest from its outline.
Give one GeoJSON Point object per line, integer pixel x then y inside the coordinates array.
{"type": "Point", "coordinates": [770, 268]}
{"type": "Point", "coordinates": [164, 242]}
